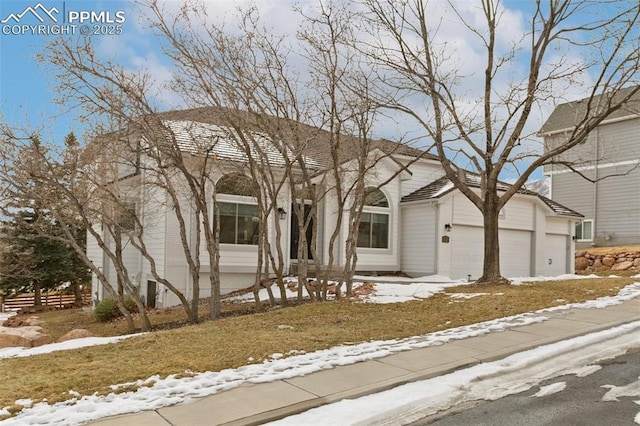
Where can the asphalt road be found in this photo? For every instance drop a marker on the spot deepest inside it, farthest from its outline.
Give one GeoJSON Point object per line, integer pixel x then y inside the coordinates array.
{"type": "Point", "coordinates": [580, 403]}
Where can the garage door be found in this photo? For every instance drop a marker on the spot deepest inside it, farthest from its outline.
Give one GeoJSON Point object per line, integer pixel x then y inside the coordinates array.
{"type": "Point", "coordinates": [555, 255]}
{"type": "Point", "coordinates": [467, 252]}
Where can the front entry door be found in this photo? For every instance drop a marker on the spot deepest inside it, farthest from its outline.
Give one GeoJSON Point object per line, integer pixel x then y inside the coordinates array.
{"type": "Point", "coordinates": [295, 232]}
{"type": "Point", "coordinates": [151, 294]}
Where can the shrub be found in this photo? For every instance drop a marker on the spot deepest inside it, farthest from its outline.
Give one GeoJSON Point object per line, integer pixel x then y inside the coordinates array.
{"type": "Point", "coordinates": [107, 309]}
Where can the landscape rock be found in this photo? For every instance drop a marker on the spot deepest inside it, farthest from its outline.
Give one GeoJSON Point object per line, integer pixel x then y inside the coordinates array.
{"type": "Point", "coordinates": [622, 266]}
{"type": "Point", "coordinates": [581, 263]}
{"type": "Point", "coordinates": [598, 266]}
{"type": "Point", "coordinates": [77, 333]}
{"type": "Point", "coordinates": [622, 261]}
{"type": "Point", "coordinates": [21, 321]}
{"type": "Point", "coordinates": [28, 337]}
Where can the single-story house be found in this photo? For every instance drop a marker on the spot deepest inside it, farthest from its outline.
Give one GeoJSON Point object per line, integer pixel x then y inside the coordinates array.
{"type": "Point", "coordinates": [414, 221]}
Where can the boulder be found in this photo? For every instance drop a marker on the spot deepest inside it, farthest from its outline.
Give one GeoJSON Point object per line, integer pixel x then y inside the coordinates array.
{"type": "Point", "coordinates": [77, 333]}
{"type": "Point", "coordinates": [608, 261]}
{"type": "Point", "coordinates": [21, 321]}
{"type": "Point", "coordinates": [598, 266]}
{"type": "Point", "coordinates": [581, 263]}
{"type": "Point", "coordinates": [622, 266]}
{"type": "Point", "coordinates": [28, 337]}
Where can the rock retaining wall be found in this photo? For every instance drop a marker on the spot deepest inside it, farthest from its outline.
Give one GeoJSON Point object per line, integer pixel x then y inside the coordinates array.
{"type": "Point", "coordinates": [624, 261]}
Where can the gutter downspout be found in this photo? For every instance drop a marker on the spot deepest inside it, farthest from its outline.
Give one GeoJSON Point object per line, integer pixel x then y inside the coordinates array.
{"type": "Point", "coordinates": [595, 187]}
{"type": "Point", "coordinates": [437, 241]}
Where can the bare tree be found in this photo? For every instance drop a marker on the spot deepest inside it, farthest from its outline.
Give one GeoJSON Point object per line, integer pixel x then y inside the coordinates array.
{"type": "Point", "coordinates": [490, 129]}
{"type": "Point", "coordinates": [61, 183]}
{"type": "Point", "coordinates": [114, 99]}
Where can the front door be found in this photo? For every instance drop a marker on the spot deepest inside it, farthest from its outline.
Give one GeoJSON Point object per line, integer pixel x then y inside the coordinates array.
{"type": "Point", "coordinates": [151, 294]}
{"type": "Point", "coordinates": [295, 232]}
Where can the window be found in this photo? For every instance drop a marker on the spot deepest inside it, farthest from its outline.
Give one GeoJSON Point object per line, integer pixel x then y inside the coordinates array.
{"type": "Point", "coordinates": [238, 210]}
{"type": "Point", "coordinates": [238, 223]}
{"type": "Point", "coordinates": [584, 230]}
{"type": "Point", "coordinates": [374, 223]}
{"type": "Point", "coordinates": [127, 217]}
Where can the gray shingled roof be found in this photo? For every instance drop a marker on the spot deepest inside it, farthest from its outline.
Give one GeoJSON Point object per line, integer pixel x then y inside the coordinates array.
{"type": "Point", "coordinates": [197, 138]}
{"type": "Point", "coordinates": [193, 127]}
{"type": "Point", "coordinates": [567, 115]}
{"type": "Point", "coordinates": [443, 186]}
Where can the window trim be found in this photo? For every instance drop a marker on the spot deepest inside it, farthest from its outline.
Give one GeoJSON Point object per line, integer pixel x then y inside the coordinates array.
{"type": "Point", "coordinates": [582, 222]}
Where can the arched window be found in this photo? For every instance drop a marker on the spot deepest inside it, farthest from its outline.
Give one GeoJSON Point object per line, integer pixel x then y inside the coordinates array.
{"type": "Point", "coordinates": [238, 210]}
{"type": "Point", "coordinates": [374, 223]}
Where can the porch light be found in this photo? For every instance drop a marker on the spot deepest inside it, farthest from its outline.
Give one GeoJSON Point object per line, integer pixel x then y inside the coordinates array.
{"type": "Point", "coordinates": [447, 227]}
{"type": "Point", "coordinates": [282, 213]}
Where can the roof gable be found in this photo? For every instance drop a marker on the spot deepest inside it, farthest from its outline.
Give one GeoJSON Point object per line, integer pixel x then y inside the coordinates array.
{"type": "Point", "coordinates": [443, 186]}
{"type": "Point", "coordinates": [567, 115]}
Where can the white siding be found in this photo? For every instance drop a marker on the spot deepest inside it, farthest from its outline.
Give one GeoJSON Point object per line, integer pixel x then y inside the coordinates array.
{"type": "Point", "coordinates": [559, 226]}
{"type": "Point", "coordinates": [418, 239]}
{"type": "Point", "coordinates": [94, 253]}
{"type": "Point", "coordinates": [422, 174]}
{"type": "Point", "coordinates": [518, 213]}
{"type": "Point", "coordinates": [155, 212]}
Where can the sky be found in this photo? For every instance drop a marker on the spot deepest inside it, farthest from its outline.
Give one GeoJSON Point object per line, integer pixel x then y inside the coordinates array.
{"type": "Point", "coordinates": [27, 88]}
{"type": "Point", "coordinates": [513, 374]}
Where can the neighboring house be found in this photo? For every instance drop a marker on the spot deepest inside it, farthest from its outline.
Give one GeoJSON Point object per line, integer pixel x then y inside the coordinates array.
{"type": "Point", "coordinates": [605, 183]}
{"type": "Point", "coordinates": [417, 222]}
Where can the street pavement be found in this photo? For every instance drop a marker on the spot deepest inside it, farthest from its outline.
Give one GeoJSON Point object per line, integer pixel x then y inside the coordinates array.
{"type": "Point", "coordinates": [254, 404]}
{"type": "Point", "coordinates": [586, 400]}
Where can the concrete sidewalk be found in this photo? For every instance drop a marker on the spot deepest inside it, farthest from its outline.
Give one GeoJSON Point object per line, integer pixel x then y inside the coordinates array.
{"type": "Point", "coordinates": [253, 404]}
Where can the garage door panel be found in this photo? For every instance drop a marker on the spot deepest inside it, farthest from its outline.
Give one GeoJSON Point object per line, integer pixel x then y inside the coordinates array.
{"type": "Point", "coordinates": [467, 252]}
{"type": "Point", "coordinates": [555, 255]}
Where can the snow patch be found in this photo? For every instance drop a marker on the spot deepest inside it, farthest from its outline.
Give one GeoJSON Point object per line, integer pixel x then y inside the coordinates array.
{"type": "Point", "coordinates": [551, 389]}
{"type": "Point", "coordinates": [615, 392]}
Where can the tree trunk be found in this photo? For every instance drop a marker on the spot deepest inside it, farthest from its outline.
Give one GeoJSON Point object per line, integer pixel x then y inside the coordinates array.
{"type": "Point", "coordinates": [37, 293]}
{"type": "Point", "coordinates": [491, 265]}
{"type": "Point", "coordinates": [77, 292]}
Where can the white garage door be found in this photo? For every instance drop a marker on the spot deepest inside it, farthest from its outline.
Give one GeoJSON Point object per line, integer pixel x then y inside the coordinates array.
{"type": "Point", "coordinates": [467, 251]}
{"type": "Point", "coordinates": [555, 255]}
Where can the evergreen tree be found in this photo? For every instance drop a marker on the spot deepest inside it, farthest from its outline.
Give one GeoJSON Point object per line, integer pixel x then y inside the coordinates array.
{"type": "Point", "coordinates": [36, 256]}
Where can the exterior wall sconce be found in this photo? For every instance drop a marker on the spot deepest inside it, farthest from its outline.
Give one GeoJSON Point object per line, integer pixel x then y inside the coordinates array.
{"type": "Point", "coordinates": [282, 213]}
{"type": "Point", "coordinates": [447, 227]}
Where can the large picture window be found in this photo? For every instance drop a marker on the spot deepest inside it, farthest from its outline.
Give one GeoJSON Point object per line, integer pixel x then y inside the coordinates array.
{"type": "Point", "coordinates": [239, 221]}
{"type": "Point", "coordinates": [373, 231]}
{"type": "Point", "coordinates": [584, 230]}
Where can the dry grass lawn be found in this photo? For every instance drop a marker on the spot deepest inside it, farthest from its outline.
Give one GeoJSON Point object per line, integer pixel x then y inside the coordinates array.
{"type": "Point", "coordinates": [229, 342]}
{"type": "Point", "coordinates": [611, 250]}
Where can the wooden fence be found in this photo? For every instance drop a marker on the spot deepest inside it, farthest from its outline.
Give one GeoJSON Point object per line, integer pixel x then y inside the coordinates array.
{"type": "Point", "coordinates": [56, 301]}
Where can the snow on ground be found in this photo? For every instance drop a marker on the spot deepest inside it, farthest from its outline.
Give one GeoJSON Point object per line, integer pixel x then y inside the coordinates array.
{"type": "Point", "coordinates": [18, 352]}
{"type": "Point", "coordinates": [488, 381]}
{"type": "Point", "coordinates": [6, 315]}
{"type": "Point", "coordinates": [403, 289]}
{"type": "Point", "coordinates": [551, 389]}
{"type": "Point", "coordinates": [156, 392]}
